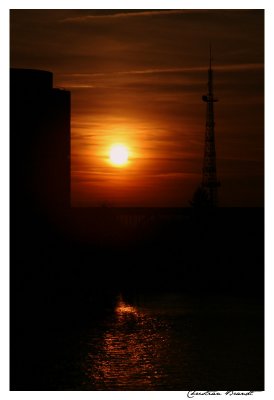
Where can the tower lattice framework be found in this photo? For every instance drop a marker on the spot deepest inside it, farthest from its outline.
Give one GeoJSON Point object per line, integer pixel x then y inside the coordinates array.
{"type": "Point", "coordinates": [210, 182]}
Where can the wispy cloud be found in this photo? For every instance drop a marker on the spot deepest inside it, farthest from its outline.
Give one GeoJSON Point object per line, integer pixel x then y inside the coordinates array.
{"type": "Point", "coordinates": [133, 14]}
{"type": "Point", "coordinates": [228, 67]}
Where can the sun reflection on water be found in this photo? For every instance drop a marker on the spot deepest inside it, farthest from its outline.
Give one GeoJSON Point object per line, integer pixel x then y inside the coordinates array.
{"type": "Point", "coordinates": [131, 353]}
{"type": "Point", "coordinates": [125, 308]}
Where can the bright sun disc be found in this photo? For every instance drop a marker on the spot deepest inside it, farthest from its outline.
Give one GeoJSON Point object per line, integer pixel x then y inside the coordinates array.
{"type": "Point", "coordinates": [118, 154]}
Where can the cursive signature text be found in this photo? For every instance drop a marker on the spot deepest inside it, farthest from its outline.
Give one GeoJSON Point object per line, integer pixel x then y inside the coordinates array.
{"type": "Point", "coordinates": [193, 393]}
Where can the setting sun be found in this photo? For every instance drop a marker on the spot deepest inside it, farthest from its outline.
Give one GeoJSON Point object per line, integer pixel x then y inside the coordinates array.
{"type": "Point", "coordinates": [118, 154]}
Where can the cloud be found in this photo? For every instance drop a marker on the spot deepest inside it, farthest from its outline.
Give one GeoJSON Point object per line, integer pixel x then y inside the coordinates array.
{"type": "Point", "coordinates": [172, 79]}
{"type": "Point", "coordinates": [128, 14]}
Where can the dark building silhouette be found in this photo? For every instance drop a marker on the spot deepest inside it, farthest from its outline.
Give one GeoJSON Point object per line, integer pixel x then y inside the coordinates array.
{"type": "Point", "coordinates": [39, 142]}
{"type": "Point", "coordinates": [39, 210]}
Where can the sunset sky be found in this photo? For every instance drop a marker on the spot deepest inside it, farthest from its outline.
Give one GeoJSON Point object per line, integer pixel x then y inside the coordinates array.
{"type": "Point", "coordinates": [136, 78]}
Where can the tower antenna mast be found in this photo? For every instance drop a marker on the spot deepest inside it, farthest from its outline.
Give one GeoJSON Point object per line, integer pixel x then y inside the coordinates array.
{"type": "Point", "coordinates": [210, 182]}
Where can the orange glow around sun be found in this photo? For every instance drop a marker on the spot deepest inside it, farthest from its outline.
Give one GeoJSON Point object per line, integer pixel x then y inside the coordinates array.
{"type": "Point", "coordinates": [118, 155]}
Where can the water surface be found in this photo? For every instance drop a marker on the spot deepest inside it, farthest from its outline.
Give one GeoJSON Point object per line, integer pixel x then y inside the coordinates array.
{"type": "Point", "coordinates": [169, 342]}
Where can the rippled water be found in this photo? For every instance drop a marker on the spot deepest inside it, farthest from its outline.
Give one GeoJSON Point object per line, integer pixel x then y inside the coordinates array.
{"type": "Point", "coordinates": [131, 353]}
{"type": "Point", "coordinates": [169, 342]}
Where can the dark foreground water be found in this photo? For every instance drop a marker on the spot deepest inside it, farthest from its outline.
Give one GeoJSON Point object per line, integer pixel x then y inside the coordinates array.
{"type": "Point", "coordinates": [166, 342]}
